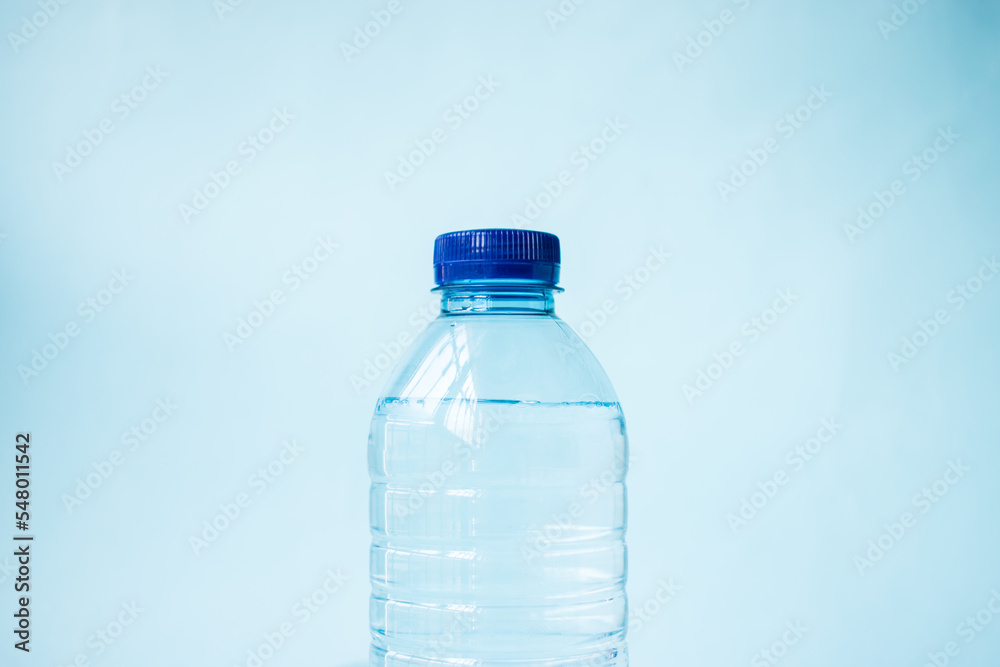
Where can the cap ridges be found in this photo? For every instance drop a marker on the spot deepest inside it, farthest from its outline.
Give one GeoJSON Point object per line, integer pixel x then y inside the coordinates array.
{"type": "Point", "coordinates": [496, 254]}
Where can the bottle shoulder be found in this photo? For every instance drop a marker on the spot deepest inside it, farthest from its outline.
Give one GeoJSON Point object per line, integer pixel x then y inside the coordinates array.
{"type": "Point", "coordinates": [500, 357]}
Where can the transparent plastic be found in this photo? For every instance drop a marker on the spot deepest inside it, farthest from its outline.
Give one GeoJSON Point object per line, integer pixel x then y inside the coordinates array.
{"type": "Point", "coordinates": [498, 457]}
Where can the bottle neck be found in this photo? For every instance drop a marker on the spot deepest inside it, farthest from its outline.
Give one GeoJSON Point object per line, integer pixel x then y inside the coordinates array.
{"type": "Point", "coordinates": [509, 298]}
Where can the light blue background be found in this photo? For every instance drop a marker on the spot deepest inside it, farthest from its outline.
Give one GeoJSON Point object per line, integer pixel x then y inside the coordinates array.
{"type": "Point", "coordinates": [656, 185]}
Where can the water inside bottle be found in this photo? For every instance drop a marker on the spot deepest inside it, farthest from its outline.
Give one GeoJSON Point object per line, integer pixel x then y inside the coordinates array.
{"type": "Point", "coordinates": [498, 533]}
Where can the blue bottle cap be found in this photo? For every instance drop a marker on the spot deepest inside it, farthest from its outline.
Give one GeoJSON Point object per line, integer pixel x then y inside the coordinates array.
{"type": "Point", "coordinates": [476, 255]}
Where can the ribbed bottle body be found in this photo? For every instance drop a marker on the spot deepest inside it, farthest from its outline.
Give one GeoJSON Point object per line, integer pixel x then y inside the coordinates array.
{"type": "Point", "coordinates": [498, 532]}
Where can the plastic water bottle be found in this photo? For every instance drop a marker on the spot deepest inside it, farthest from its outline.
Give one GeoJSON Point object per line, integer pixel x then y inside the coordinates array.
{"type": "Point", "coordinates": [498, 457]}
